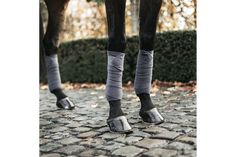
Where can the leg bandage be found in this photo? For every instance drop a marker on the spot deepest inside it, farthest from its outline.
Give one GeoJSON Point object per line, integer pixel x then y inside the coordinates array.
{"type": "Point", "coordinates": [53, 73]}
{"type": "Point", "coordinates": [143, 75]}
{"type": "Point", "coordinates": [114, 75]}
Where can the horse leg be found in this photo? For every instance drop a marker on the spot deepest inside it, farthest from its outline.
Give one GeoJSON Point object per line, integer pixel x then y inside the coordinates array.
{"type": "Point", "coordinates": [148, 17]}
{"type": "Point", "coordinates": [42, 68]}
{"type": "Point", "coordinates": [115, 10]}
{"type": "Point", "coordinates": [56, 12]}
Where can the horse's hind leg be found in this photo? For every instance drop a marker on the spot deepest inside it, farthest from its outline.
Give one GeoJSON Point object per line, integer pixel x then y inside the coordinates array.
{"type": "Point", "coordinates": [56, 12]}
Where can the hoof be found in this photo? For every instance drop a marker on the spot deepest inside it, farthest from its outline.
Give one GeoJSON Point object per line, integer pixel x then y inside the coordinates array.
{"type": "Point", "coordinates": [119, 125]}
{"type": "Point", "coordinates": [66, 104]}
{"type": "Point", "coordinates": [152, 116]}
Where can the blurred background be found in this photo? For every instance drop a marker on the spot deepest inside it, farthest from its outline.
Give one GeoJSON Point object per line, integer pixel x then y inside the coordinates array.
{"type": "Point", "coordinates": [82, 52]}
{"type": "Point", "coordinates": [87, 18]}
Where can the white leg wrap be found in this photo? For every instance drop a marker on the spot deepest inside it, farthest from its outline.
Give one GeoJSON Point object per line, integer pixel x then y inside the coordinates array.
{"type": "Point", "coordinates": [53, 73]}
{"type": "Point", "coordinates": [143, 75]}
{"type": "Point", "coordinates": [114, 75]}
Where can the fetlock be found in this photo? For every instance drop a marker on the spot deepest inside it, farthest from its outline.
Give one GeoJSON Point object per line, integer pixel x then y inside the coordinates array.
{"type": "Point", "coordinates": [115, 109]}
{"type": "Point", "coordinates": [146, 103]}
{"type": "Point", "coordinates": [59, 94]}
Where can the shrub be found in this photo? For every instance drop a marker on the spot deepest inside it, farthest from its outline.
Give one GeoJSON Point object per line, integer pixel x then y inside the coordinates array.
{"type": "Point", "coordinates": [174, 58]}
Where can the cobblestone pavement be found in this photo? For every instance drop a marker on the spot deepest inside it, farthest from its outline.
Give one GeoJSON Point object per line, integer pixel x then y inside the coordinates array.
{"type": "Point", "coordinates": [83, 131]}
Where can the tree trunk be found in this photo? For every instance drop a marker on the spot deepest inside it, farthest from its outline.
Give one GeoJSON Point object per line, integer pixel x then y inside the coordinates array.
{"type": "Point", "coordinates": [134, 16]}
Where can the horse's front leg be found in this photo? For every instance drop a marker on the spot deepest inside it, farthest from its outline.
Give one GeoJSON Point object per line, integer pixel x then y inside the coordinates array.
{"type": "Point", "coordinates": [115, 10]}
{"type": "Point", "coordinates": [148, 16]}
{"type": "Point", "coordinates": [56, 12]}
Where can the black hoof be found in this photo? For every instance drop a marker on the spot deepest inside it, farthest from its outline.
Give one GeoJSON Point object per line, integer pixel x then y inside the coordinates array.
{"type": "Point", "coordinates": [152, 116]}
{"type": "Point", "coordinates": [119, 125]}
{"type": "Point", "coordinates": [66, 104]}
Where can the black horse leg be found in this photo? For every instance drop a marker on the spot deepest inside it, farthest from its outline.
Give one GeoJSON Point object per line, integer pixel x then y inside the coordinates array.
{"type": "Point", "coordinates": [115, 10]}
{"type": "Point", "coordinates": [42, 67]}
{"type": "Point", "coordinates": [56, 12]}
{"type": "Point", "coordinates": [148, 17]}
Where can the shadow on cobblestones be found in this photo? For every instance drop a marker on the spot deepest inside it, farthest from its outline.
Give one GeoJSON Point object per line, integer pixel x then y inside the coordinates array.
{"type": "Point", "coordinates": [83, 131]}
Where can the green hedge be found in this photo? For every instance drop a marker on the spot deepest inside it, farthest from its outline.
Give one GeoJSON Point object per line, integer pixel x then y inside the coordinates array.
{"type": "Point", "coordinates": [174, 58]}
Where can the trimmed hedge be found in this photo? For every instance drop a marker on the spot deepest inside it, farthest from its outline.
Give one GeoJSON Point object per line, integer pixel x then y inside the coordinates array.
{"type": "Point", "coordinates": [174, 58]}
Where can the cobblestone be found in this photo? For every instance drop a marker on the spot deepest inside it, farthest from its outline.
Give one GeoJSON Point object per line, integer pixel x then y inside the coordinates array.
{"type": "Point", "coordinates": [160, 152]}
{"type": "Point", "coordinates": [110, 136]}
{"type": "Point", "coordinates": [155, 130]}
{"type": "Point", "coordinates": [83, 132]}
{"type": "Point", "coordinates": [187, 139]}
{"type": "Point", "coordinates": [151, 143]}
{"type": "Point", "coordinates": [140, 134]}
{"type": "Point", "coordinates": [169, 126]}
{"type": "Point", "coordinates": [49, 147]}
{"type": "Point", "coordinates": [44, 141]}
{"type": "Point", "coordinates": [128, 140]}
{"type": "Point", "coordinates": [110, 146]}
{"type": "Point", "coordinates": [168, 135]}
{"type": "Point", "coordinates": [91, 152]}
{"type": "Point", "coordinates": [69, 140]}
{"type": "Point", "coordinates": [81, 129]}
{"type": "Point", "coordinates": [58, 129]}
{"type": "Point", "coordinates": [92, 142]}
{"type": "Point", "coordinates": [128, 151]}
{"type": "Point", "coordinates": [71, 149]}
{"type": "Point", "coordinates": [88, 134]}
{"type": "Point", "coordinates": [179, 146]}
{"type": "Point", "coordinates": [52, 155]}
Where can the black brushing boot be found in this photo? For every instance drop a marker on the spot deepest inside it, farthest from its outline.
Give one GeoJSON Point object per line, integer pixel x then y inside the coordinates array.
{"type": "Point", "coordinates": [148, 111]}
{"type": "Point", "coordinates": [115, 109]}
{"type": "Point", "coordinates": [116, 121]}
{"type": "Point", "coordinates": [63, 101]}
